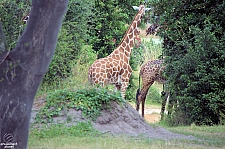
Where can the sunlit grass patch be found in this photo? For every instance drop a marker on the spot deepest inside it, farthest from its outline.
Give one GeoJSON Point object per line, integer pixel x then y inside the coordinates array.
{"type": "Point", "coordinates": [84, 136]}
{"type": "Point", "coordinates": [208, 135]}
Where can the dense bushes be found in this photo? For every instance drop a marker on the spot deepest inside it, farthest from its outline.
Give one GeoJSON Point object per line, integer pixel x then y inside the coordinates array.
{"type": "Point", "coordinates": [194, 44]}
{"type": "Point", "coordinates": [90, 101]}
{"type": "Point", "coordinates": [12, 13]}
{"type": "Point", "coordinates": [72, 38]}
{"type": "Point", "coordinates": [107, 24]}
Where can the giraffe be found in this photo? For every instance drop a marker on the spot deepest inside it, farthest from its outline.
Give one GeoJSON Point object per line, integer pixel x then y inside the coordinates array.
{"type": "Point", "coordinates": [150, 72]}
{"type": "Point", "coordinates": [115, 69]}
{"type": "Point", "coordinates": [26, 18]}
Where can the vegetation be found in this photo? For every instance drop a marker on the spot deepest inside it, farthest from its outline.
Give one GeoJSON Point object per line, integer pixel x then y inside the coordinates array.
{"type": "Point", "coordinates": [90, 101]}
{"type": "Point", "coordinates": [80, 130]}
{"type": "Point", "coordinates": [72, 41]}
{"type": "Point", "coordinates": [12, 13]}
{"type": "Point", "coordinates": [83, 135]}
{"type": "Point", "coordinates": [86, 34]}
{"type": "Point", "coordinates": [194, 42]}
{"type": "Point", "coordinates": [193, 34]}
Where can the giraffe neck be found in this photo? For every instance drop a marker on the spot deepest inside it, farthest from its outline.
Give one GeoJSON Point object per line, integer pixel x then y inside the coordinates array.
{"type": "Point", "coordinates": [124, 49]}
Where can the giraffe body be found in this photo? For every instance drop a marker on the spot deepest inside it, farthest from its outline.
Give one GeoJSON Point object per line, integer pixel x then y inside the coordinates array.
{"type": "Point", "coordinates": [111, 70]}
{"type": "Point", "coordinates": [115, 68]}
{"type": "Point", "coordinates": [150, 72]}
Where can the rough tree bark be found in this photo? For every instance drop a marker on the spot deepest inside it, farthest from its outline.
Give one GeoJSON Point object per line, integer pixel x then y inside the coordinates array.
{"type": "Point", "coordinates": [22, 69]}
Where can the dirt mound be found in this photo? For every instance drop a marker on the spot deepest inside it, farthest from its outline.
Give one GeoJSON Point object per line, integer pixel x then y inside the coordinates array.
{"type": "Point", "coordinates": [119, 119]}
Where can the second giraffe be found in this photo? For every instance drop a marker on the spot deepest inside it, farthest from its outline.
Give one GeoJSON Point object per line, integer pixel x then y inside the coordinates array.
{"type": "Point", "coordinates": [150, 72]}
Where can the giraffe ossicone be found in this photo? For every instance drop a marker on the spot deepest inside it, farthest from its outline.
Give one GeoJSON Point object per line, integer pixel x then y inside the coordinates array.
{"type": "Point", "coordinates": [115, 68]}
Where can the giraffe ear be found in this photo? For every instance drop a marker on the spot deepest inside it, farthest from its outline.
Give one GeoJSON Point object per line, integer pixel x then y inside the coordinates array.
{"type": "Point", "coordinates": [135, 7]}
{"type": "Point", "coordinates": [147, 9]}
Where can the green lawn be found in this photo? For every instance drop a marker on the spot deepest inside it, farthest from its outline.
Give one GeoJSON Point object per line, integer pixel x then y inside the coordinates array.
{"type": "Point", "coordinates": [83, 136]}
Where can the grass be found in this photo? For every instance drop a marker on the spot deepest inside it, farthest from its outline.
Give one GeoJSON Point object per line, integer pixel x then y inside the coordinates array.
{"type": "Point", "coordinates": [209, 135]}
{"type": "Point", "coordinates": [103, 142]}
{"type": "Point", "coordinates": [84, 136]}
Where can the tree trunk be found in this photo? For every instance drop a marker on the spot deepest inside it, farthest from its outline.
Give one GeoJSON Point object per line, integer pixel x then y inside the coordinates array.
{"type": "Point", "coordinates": [22, 70]}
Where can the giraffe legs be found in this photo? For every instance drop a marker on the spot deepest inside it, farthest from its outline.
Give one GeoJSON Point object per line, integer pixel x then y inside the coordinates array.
{"type": "Point", "coordinates": [124, 80]}
{"type": "Point", "coordinates": [123, 89]}
{"type": "Point", "coordinates": [164, 96]}
{"type": "Point", "coordinates": [141, 96]}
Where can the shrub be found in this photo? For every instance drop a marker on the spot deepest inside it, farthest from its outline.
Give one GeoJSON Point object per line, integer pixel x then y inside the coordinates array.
{"type": "Point", "coordinates": [90, 101]}
{"type": "Point", "coordinates": [72, 38]}
{"type": "Point", "coordinates": [194, 45]}
{"type": "Point", "coordinates": [12, 13]}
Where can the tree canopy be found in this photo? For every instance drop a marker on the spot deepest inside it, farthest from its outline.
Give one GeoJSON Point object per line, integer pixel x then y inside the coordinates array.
{"type": "Point", "coordinates": [194, 43]}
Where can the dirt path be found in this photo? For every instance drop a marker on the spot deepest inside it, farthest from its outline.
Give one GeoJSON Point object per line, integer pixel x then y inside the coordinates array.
{"type": "Point", "coordinates": [152, 118]}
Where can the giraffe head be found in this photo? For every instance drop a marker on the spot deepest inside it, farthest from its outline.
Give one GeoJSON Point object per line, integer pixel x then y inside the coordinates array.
{"type": "Point", "coordinates": [26, 18]}
{"type": "Point", "coordinates": [141, 12]}
{"type": "Point", "coordinates": [141, 8]}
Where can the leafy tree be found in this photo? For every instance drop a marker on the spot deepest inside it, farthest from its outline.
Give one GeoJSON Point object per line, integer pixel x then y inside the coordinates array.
{"type": "Point", "coordinates": [12, 13]}
{"type": "Point", "coordinates": [72, 37]}
{"type": "Point", "coordinates": [194, 43]}
{"type": "Point", "coordinates": [107, 23]}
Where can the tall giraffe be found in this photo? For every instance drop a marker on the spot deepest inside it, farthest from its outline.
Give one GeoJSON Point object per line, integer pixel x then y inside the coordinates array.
{"type": "Point", "coordinates": [115, 68]}
{"type": "Point", "coordinates": [150, 72]}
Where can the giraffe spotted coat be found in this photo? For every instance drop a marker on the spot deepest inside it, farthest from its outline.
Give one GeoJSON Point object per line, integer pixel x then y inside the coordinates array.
{"type": "Point", "coordinates": [150, 72]}
{"type": "Point", "coordinates": [115, 69]}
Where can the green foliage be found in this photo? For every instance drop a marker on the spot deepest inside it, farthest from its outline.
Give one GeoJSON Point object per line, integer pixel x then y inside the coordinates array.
{"type": "Point", "coordinates": [86, 56]}
{"type": "Point", "coordinates": [152, 50]}
{"type": "Point", "coordinates": [79, 130]}
{"type": "Point", "coordinates": [12, 13]}
{"type": "Point", "coordinates": [106, 24]}
{"type": "Point", "coordinates": [194, 45]}
{"type": "Point", "coordinates": [90, 101]}
{"type": "Point", "coordinates": [137, 56]}
{"type": "Point", "coordinates": [71, 41]}
{"type": "Point", "coordinates": [154, 96]}
{"type": "Point", "coordinates": [65, 53]}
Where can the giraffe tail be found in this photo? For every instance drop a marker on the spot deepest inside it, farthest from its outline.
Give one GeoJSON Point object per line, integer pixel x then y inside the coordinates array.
{"type": "Point", "coordinates": [137, 94]}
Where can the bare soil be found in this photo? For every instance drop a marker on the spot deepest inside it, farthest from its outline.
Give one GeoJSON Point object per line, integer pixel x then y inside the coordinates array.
{"type": "Point", "coordinates": [152, 118]}
{"type": "Point", "coordinates": [118, 120]}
